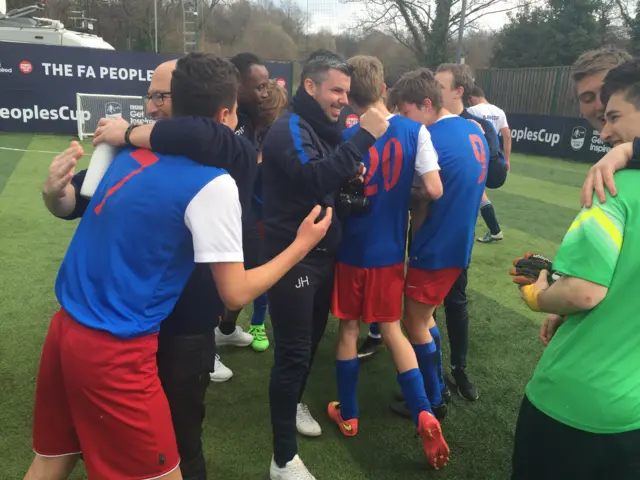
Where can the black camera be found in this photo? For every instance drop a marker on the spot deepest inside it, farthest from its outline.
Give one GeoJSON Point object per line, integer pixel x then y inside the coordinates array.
{"type": "Point", "coordinates": [351, 200]}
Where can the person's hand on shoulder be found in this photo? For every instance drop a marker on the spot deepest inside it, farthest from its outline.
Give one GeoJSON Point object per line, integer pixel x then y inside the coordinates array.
{"type": "Point", "coordinates": [61, 171]}
{"type": "Point", "coordinates": [374, 122]}
{"type": "Point", "coordinates": [601, 174]}
{"type": "Point", "coordinates": [111, 131]}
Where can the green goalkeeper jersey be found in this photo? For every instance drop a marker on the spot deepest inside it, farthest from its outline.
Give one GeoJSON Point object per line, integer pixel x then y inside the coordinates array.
{"type": "Point", "coordinates": [589, 375]}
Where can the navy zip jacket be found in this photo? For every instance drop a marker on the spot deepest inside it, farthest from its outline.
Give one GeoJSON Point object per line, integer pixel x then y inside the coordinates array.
{"type": "Point", "coordinates": [304, 165]}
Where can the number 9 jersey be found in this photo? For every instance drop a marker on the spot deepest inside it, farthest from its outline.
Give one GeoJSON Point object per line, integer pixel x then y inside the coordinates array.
{"type": "Point", "coordinates": [378, 239]}
{"type": "Point", "coordinates": [445, 238]}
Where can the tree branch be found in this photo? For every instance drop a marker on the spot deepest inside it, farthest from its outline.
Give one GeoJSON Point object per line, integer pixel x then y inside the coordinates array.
{"type": "Point", "coordinates": [418, 39]}
{"type": "Point", "coordinates": [624, 13]}
{"type": "Point", "coordinates": [478, 17]}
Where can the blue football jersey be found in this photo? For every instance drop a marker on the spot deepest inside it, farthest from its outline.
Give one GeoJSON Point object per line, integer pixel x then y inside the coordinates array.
{"type": "Point", "coordinates": [132, 253]}
{"type": "Point", "coordinates": [445, 238]}
{"type": "Point", "coordinates": [378, 239]}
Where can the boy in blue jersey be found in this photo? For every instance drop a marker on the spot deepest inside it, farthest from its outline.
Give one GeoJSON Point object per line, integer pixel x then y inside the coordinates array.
{"type": "Point", "coordinates": [441, 246]}
{"type": "Point", "coordinates": [457, 83]}
{"type": "Point", "coordinates": [152, 215]}
{"type": "Point", "coordinates": [369, 274]}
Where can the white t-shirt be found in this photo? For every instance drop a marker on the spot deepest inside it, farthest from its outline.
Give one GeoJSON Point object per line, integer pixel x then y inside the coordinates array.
{"type": "Point", "coordinates": [492, 113]}
{"type": "Point", "coordinates": [214, 217]}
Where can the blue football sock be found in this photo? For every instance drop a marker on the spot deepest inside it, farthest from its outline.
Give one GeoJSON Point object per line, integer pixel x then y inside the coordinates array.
{"type": "Point", "coordinates": [347, 374]}
{"type": "Point", "coordinates": [428, 363]}
{"type": "Point", "coordinates": [412, 386]}
{"type": "Point", "coordinates": [374, 330]}
{"type": "Point", "coordinates": [435, 333]}
{"type": "Point", "coordinates": [259, 310]}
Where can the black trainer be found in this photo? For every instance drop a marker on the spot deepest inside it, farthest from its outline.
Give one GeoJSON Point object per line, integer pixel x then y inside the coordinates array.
{"type": "Point", "coordinates": [369, 347]}
{"type": "Point", "coordinates": [400, 407]}
{"type": "Point", "coordinates": [466, 389]}
{"type": "Point", "coordinates": [446, 395]}
{"type": "Point", "coordinates": [440, 412]}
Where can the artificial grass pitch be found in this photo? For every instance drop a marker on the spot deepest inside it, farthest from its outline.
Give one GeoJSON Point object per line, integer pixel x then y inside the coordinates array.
{"type": "Point", "coordinates": [534, 208]}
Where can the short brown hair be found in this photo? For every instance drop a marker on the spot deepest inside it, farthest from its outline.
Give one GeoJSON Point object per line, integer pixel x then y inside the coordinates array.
{"type": "Point", "coordinates": [275, 103]}
{"type": "Point", "coordinates": [367, 79]}
{"type": "Point", "coordinates": [477, 91]}
{"type": "Point", "coordinates": [462, 77]}
{"type": "Point", "coordinates": [597, 61]}
{"type": "Point", "coordinates": [416, 86]}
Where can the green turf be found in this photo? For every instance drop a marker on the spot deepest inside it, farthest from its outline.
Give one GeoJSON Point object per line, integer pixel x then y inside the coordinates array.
{"type": "Point", "coordinates": [535, 208]}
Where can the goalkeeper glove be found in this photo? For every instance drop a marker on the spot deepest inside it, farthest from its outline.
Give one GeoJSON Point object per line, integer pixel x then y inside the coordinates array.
{"type": "Point", "coordinates": [526, 269]}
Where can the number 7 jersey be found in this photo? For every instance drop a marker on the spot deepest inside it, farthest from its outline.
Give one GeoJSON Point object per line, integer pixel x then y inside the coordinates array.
{"type": "Point", "coordinates": [378, 239]}
{"type": "Point", "coordinates": [445, 238]}
{"type": "Point", "coordinates": [150, 219]}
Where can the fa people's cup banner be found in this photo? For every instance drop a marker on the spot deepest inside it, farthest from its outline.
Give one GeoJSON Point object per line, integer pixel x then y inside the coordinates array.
{"type": "Point", "coordinates": [39, 83]}
{"type": "Point", "coordinates": [560, 137]}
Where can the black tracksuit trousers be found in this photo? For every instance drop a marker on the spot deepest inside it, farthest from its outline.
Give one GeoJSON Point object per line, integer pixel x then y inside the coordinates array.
{"type": "Point", "coordinates": [299, 306]}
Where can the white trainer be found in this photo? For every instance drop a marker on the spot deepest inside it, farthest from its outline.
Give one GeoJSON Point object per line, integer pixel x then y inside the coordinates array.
{"type": "Point", "coordinates": [305, 423]}
{"type": "Point", "coordinates": [239, 338]}
{"type": "Point", "coordinates": [221, 373]}
{"type": "Point", "coordinates": [293, 470]}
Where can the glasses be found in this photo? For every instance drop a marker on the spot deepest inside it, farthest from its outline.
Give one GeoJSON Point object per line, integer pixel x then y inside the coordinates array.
{"type": "Point", "coordinates": [157, 98]}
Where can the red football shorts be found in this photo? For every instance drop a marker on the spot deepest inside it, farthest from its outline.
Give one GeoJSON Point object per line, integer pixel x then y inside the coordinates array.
{"type": "Point", "coordinates": [100, 395]}
{"type": "Point", "coordinates": [370, 294]}
{"type": "Point", "coordinates": [430, 286]}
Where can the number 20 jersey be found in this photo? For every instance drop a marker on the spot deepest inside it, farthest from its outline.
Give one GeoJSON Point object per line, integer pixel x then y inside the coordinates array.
{"type": "Point", "coordinates": [445, 238]}
{"type": "Point", "coordinates": [378, 239]}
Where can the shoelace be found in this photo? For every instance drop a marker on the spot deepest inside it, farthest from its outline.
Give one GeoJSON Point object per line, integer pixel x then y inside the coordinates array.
{"type": "Point", "coordinates": [258, 334]}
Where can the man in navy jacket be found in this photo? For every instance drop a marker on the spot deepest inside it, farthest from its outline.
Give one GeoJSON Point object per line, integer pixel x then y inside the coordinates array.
{"type": "Point", "coordinates": [304, 163]}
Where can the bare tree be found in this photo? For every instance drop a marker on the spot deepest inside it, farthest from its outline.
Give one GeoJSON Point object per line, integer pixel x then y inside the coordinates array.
{"type": "Point", "coordinates": [294, 19]}
{"type": "Point", "coordinates": [426, 26]}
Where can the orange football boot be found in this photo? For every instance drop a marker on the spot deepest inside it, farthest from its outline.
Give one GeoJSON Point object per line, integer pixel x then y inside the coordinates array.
{"type": "Point", "coordinates": [349, 428]}
{"type": "Point", "coordinates": [435, 447]}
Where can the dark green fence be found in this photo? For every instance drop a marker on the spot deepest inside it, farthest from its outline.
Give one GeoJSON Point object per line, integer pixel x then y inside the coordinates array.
{"type": "Point", "coordinates": [535, 91]}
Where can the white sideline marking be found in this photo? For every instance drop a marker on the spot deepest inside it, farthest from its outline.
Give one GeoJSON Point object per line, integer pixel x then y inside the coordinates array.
{"type": "Point", "coordinates": [25, 150]}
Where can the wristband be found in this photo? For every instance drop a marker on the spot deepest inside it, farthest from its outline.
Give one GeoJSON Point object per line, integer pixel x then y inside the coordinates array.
{"type": "Point", "coordinates": [531, 295]}
{"type": "Point", "coordinates": [127, 134]}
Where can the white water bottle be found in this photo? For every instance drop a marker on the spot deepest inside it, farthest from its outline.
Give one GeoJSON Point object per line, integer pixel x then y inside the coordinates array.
{"type": "Point", "coordinates": [101, 158]}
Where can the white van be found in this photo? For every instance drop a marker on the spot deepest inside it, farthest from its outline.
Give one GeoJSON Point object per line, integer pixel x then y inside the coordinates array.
{"type": "Point", "coordinates": [18, 26]}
